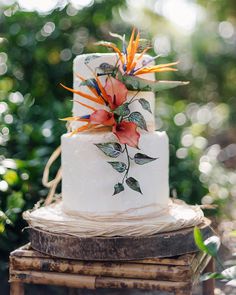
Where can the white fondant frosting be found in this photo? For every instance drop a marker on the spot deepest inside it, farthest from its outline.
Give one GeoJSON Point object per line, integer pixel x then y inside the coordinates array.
{"type": "Point", "coordinates": [88, 180]}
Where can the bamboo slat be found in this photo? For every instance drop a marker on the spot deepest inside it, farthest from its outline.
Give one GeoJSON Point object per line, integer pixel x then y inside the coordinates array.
{"type": "Point", "coordinates": [198, 258]}
{"type": "Point", "coordinates": [106, 282]}
{"type": "Point", "coordinates": [45, 278]}
{"type": "Point", "coordinates": [201, 267]}
{"type": "Point", "coordinates": [124, 270]}
{"type": "Point", "coordinates": [91, 282]}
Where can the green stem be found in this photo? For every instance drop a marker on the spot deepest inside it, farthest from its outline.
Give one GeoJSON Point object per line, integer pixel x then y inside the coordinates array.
{"type": "Point", "coordinates": [128, 159]}
{"type": "Point", "coordinates": [134, 96]}
{"type": "Point", "coordinates": [133, 101]}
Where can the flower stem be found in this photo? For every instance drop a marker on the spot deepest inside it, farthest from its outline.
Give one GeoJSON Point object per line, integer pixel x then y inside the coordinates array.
{"type": "Point", "coordinates": [134, 96]}
{"type": "Point", "coordinates": [128, 160]}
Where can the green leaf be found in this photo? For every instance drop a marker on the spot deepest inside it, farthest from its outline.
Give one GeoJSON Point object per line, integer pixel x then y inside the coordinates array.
{"type": "Point", "coordinates": [141, 159]}
{"type": "Point", "coordinates": [11, 177]}
{"type": "Point", "coordinates": [123, 110]}
{"type": "Point", "coordinates": [210, 246]}
{"type": "Point", "coordinates": [106, 67]}
{"type": "Point", "coordinates": [211, 275]}
{"type": "Point", "coordinates": [133, 184]}
{"type": "Point", "coordinates": [89, 82]}
{"type": "Point", "coordinates": [136, 83]}
{"type": "Point", "coordinates": [118, 188]}
{"type": "Point", "coordinates": [145, 104]}
{"type": "Point", "coordinates": [110, 149]}
{"type": "Point", "coordinates": [138, 119]}
{"type": "Point", "coordinates": [198, 238]}
{"type": "Point", "coordinates": [118, 166]}
{"type": "Point", "coordinates": [91, 57]}
{"type": "Point", "coordinates": [213, 245]}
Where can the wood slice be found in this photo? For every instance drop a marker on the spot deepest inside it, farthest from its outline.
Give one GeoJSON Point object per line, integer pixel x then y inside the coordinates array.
{"type": "Point", "coordinates": [166, 244]}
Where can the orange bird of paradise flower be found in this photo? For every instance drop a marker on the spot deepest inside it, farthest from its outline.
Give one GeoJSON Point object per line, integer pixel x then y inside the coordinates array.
{"type": "Point", "coordinates": [129, 57]}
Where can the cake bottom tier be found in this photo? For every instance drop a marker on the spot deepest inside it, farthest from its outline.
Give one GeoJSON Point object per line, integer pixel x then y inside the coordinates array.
{"type": "Point", "coordinates": [88, 179]}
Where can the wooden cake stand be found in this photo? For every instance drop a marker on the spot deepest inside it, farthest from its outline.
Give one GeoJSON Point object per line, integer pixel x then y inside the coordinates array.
{"type": "Point", "coordinates": [165, 244]}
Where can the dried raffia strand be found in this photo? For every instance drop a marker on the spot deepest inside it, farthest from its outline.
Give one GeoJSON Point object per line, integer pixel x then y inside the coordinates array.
{"type": "Point", "coordinates": [52, 185]}
{"type": "Point", "coordinates": [146, 220]}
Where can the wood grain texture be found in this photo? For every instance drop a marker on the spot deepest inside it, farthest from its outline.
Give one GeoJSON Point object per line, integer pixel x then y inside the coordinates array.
{"type": "Point", "coordinates": [185, 259]}
{"type": "Point", "coordinates": [117, 248]}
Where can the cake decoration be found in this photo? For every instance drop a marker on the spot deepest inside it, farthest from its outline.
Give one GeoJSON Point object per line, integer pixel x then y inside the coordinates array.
{"type": "Point", "coordinates": [114, 108]}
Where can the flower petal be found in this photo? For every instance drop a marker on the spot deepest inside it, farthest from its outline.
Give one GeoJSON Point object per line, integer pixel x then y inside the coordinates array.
{"type": "Point", "coordinates": [97, 99]}
{"type": "Point", "coordinates": [85, 105]}
{"type": "Point", "coordinates": [111, 45]}
{"type": "Point", "coordinates": [102, 117]}
{"type": "Point", "coordinates": [116, 91]}
{"type": "Point", "coordinates": [131, 57]}
{"type": "Point", "coordinates": [126, 133]}
{"type": "Point", "coordinates": [156, 68]}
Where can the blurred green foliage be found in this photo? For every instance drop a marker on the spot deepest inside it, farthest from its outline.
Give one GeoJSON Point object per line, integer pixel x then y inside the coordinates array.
{"type": "Point", "coordinates": [36, 54]}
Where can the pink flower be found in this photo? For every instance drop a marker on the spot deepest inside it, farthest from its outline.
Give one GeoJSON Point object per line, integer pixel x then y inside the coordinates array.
{"type": "Point", "coordinates": [116, 92]}
{"type": "Point", "coordinates": [126, 133]}
{"type": "Point", "coordinates": [102, 117]}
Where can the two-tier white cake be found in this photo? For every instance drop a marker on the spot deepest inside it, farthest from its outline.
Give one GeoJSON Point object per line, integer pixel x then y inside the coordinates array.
{"type": "Point", "coordinates": [115, 165]}
{"type": "Point", "coordinates": [87, 178]}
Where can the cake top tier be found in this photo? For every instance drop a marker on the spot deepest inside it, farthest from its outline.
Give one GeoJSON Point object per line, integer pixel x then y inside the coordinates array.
{"type": "Point", "coordinates": [111, 91]}
{"type": "Point", "coordinates": [102, 65]}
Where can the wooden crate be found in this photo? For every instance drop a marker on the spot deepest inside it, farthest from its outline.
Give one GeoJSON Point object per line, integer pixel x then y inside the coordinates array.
{"type": "Point", "coordinates": [176, 274]}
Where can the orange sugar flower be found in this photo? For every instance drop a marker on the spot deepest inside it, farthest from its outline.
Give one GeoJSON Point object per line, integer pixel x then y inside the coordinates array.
{"type": "Point", "coordinates": [129, 57]}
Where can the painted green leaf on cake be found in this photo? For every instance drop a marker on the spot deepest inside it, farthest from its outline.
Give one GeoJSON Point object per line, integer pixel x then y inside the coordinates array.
{"type": "Point", "coordinates": [145, 104]}
{"type": "Point", "coordinates": [133, 184]}
{"type": "Point", "coordinates": [142, 159]}
{"type": "Point", "coordinates": [139, 84]}
{"type": "Point", "coordinates": [91, 57]}
{"type": "Point", "coordinates": [118, 188]}
{"type": "Point", "coordinates": [110, 149]}
{"type": "Point", "coordinates": [118, 166]}
{"type": "Point", "coordinates": [138, 119]}
{"type": "Point", "coordinates": [106, 67]}
{"type": "Point", "coordinates": [123, 110]}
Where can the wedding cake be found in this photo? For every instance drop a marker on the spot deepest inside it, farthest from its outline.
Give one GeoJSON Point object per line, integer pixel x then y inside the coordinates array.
{"type": "Point", "coordinates": [114, 166]}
